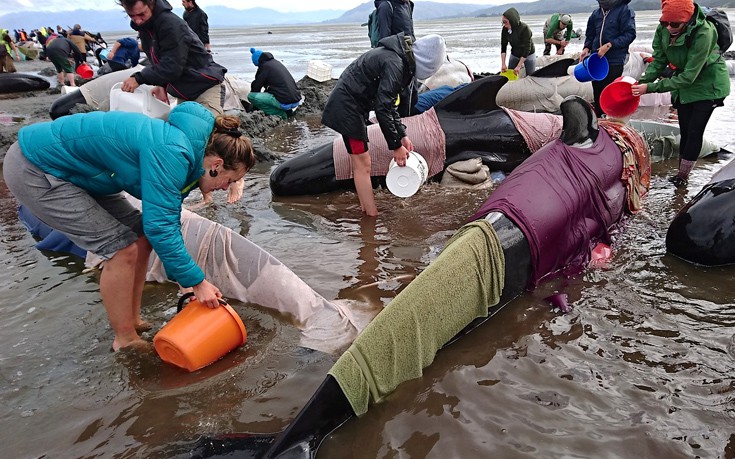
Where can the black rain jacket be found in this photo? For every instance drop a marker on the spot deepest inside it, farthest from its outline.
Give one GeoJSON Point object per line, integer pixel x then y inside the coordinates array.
{"type": "Point", "coordinates": [199, 23]}
{"type": "Point", "coordinates": [276, 79]}
{"type": "Point", "coordinates": [179, 61]}
{"type": "Point", "coordinates": [373, 81]}
{"type": "Point", "coordinates": [394, 16]}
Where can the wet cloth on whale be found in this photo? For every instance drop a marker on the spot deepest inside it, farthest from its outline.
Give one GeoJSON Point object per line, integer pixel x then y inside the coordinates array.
{"type": "Point", "coordinates": [537, 129]}
{"type": "Point", "coordinates": [565, 199]}
{"type": "Point", "coordinates": [424, 131]}
{"type": "Point", "coordinates": [404, 338]}
{"type": "Point", "coordinates": [636, 161]}
{"type": "Point", "coordinates": [243, 271]}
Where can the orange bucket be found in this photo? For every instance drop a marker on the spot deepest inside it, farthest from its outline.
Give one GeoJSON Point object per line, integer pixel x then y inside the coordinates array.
{"type": "Point", "coordinates": [199, 335]}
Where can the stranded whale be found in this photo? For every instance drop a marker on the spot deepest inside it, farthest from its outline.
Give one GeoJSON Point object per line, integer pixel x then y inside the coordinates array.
{"type": "Point", "coordinates": [582, 184]}
{"type": "Point", "coordinates": [703, 232]}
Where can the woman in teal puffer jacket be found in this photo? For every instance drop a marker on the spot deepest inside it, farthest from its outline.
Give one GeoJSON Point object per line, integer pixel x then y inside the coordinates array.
{"type": "Point", "coordinates": [686, 40]}
{"type": "Point", "coordinates": [71, 173]}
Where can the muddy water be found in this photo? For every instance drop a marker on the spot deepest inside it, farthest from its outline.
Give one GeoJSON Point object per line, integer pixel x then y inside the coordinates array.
{"type": "Point", "coordinates": [642, 366]}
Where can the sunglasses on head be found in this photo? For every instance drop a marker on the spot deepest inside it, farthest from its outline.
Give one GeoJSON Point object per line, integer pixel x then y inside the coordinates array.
{"type": "Point", "coordinates": [675, 25]}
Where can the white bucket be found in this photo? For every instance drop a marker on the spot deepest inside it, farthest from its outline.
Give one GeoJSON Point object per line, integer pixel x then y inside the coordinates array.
{"type": "Point", "coordinates": [140, 101]}
{"type": "Point", "coordinates": [406, 181]}
{"type": "Point", "coordinates": [68, 89]}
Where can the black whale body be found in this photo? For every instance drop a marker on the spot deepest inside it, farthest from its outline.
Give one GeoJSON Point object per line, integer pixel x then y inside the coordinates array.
{"type": "Point", "coordinates": [703, 232]}
{"type": "Point", "coordinates": [21, 82]}
{"type": "Point", "coordinates": [473, 124]}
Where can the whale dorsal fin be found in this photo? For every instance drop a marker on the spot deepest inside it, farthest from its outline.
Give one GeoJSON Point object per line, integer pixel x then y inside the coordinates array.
{"type": "Point", "coordinates": [476, 97]}
{"type": "Point", "coordinates": [557, 69]}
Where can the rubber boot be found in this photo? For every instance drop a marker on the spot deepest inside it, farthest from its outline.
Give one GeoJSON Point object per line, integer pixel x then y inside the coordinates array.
{"type": "Point", "coordinates": [682, 177]}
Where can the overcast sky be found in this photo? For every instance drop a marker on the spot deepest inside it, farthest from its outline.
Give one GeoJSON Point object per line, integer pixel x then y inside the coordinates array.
{"type": "Point", "coordinates": [13, 6]}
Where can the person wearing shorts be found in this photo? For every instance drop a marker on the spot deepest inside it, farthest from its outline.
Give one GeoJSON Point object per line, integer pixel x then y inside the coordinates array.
{"type": "Point", "coordinates": [373, 82]}
{"type": "Point", "coordinates": [71, 174]}
{"type": "Point", "coordinates": [58, 50]}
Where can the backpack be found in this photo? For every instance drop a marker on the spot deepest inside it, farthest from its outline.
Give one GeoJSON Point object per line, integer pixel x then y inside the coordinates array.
{"type": "Point", "coordinates": [372, 25]}
{"type": "Point", "coordinates": [719, 19]}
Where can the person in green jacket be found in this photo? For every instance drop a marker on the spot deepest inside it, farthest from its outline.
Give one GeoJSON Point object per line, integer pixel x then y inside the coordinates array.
{"type": "Point", "coordinates": [71, 173]}
{"type": "Point", "coordinates": [557, 31]}
{"type": "Point", "coordinates": [519, 35]}
{"type": "Point", "coordinates": [685, 39]}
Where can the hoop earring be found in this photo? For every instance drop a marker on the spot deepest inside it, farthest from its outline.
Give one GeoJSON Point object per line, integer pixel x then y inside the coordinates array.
{"type": "Point", "coordinates": [213, 173]}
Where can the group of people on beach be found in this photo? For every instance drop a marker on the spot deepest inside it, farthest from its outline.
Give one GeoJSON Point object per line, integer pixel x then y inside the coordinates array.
{"type": "Point", "coordinates": [72, 172]}
{"type": "Point", "coordinates": [687, 61]}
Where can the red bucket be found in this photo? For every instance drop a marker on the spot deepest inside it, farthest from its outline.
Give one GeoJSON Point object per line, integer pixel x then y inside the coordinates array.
{"type": "Point", "coordinates": [617, 99]}
{"type": "Point", "coordinates": [85, 71]}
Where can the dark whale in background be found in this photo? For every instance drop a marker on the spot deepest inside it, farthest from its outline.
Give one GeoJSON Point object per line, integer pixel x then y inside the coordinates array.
{"type": "Point", "coordinates": [473, 124]}
{"type": "Point", "coordinates": [581, 206]}
{"type": "Point", "coordinates": [22, 82]}
{"type": "Point", "coordinates": [703, 232]}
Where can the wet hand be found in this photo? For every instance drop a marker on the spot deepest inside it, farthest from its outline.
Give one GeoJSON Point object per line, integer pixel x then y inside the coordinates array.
{"type": "Point", "coordinates": [129, 85]}
{"type": "Point", "coordinates": [400, 155]}
{"type": "Point", "coordinates": [207, 294]}
{"type": "Point", "coordinates": [159, 92]}
{"type": "Point", "coordinates": [639, 89]}
{"type": "Point", "coordinates": [406, 142]}
{"type": "Point", "coordinates": [585, 53]}
{"type": "Point", "coordinates": [234, 191]}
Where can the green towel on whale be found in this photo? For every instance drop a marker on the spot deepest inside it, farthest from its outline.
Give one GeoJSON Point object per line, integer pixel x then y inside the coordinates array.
{"type": "Point", "coordinates": [460, 285]}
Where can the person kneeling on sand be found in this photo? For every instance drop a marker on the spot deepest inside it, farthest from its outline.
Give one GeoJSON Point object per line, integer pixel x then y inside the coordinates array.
{"type": "Point", "coordinates": [373, 82]}
{"type": "Point", "coordinates": [281, 96]}
{"type": "Point", "coordinates": [71, 173]}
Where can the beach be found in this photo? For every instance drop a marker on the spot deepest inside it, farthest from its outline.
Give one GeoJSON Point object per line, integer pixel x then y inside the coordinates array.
{"type": "Point", "coordinates": [640, 367]}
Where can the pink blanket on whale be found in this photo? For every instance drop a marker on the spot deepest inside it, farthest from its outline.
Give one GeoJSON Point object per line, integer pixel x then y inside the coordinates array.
{"type": "Point", "coordinates": [424, 131]}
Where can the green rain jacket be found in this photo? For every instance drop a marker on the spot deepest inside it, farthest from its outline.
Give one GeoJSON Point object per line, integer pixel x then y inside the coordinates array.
{"type": "Point", "coordinates": [701, 71]}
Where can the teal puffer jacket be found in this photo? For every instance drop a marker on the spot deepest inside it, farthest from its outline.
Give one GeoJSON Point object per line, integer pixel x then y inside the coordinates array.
{"type": "Point", "coordinates": [701, 72]}
{"type": "Point", "coordinates": [158, 162]}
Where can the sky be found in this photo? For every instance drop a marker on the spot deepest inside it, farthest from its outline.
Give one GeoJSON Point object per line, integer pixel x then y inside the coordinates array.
{"type": "Point", "coordinates": [17, 6]}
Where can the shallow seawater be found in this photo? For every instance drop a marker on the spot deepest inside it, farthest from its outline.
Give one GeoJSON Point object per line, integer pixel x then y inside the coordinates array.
{"type": "Point", "coordinates": [641, 367]}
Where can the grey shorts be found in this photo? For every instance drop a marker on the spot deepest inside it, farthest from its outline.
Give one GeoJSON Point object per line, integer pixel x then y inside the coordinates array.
{"type": "Point", "coordinates": [99, 224]}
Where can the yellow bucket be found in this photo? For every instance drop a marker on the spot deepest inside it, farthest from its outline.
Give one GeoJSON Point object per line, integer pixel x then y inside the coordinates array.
{"type": "Point", "coordinates": [509, 74]}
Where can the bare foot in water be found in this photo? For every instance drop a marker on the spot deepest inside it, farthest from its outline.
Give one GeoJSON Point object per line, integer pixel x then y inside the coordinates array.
{"type": "Point", "coordinates": [142, 326]}
{"type": "Point", "coordinates": [138, 344]}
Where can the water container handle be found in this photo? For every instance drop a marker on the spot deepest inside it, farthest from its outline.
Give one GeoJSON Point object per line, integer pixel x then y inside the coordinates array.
{"type": "Point", "coordinates": [188, 295]}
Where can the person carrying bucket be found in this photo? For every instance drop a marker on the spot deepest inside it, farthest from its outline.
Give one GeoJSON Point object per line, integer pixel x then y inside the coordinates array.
{"type": "Point", "coordinates": [58, 49]}
{"type": "Point", "coordinates": [373, 82]}
{"type": "Point", "coordinates": [71, 174]}
{"type": "Point", "coordinates": [610, 31]}
{"type": "Point", "coordinates": [685, 39]}
{"type": "Point", "coordinates": [519, 36]}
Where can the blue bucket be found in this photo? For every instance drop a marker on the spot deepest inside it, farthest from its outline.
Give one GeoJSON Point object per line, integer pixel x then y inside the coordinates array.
{"type": "Point", "coordinates": [593, 68]}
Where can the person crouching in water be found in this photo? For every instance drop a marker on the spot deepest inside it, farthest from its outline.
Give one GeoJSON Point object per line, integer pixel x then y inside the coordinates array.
{"type": "Point", "coordinates": [281, 95]}
{"type": "Point", "coordinates": [373, 82]}
{"type": "Point", "coordinates": [71, 173]}
{"type": "Point", "coordinates": [687, 40]}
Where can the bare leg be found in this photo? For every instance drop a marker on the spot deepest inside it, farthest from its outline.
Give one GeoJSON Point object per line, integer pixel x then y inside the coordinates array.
{"type": "Point", "coordinates": [70, 77]}
{"type": "Point", "coordinates": [60, 78]}
{"type": "Point", "coordinates": [118, 275]}
{"type": "Point", "coordinates": [361, 173]}
{"type": "Point", "coordinates": [141, 268]}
